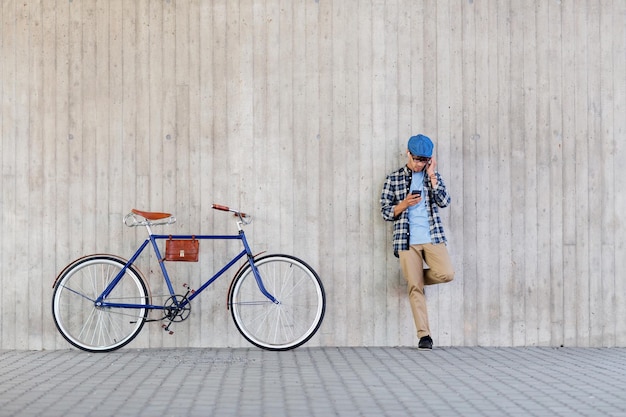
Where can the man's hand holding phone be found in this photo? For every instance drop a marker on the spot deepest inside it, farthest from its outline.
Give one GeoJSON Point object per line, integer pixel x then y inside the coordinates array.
{"type": "Point", "coordinates": [414, 198]}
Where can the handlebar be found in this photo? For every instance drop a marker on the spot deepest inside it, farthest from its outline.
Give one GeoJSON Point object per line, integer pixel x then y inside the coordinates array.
{"type": "Point", "coordinates": [237, 213]}
{"type": "Point", "coordinates": [226, 208]}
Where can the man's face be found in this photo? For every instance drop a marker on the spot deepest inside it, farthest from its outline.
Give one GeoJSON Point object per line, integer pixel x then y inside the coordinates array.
{"type": "Point", "coordinates": [417, 163]}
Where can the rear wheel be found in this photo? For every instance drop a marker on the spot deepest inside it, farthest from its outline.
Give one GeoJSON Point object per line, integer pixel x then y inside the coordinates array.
{"type": "Point", "coordinates": [297, 315]}
{"type": "Point", "coordinates": [90, 327]}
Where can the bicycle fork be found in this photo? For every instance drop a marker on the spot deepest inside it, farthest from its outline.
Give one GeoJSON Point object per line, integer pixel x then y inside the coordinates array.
{"type": "Point", "coordinates": [255, 271]}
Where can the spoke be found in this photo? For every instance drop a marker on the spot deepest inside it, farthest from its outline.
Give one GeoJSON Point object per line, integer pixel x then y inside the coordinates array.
{"type": "Point", "coordinates": [80, 294]}
{"type": "Point", "coordinates": [113, 329]}
{"type": "Point", "coordinates": [85, 328]}
{"type": "Point", "coordinates": [281, 323]}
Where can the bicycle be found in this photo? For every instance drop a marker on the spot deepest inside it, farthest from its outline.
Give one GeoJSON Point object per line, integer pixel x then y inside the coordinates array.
{"type": "Point", "coordinates": [101, 302]}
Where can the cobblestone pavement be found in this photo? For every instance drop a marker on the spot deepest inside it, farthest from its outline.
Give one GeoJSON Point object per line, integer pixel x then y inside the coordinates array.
{"type": "Point", "coordinates": [360, 381]}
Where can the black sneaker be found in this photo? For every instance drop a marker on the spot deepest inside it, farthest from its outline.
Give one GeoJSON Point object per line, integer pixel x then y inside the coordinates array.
{"type": "Point", "coordinates": [426, 343]}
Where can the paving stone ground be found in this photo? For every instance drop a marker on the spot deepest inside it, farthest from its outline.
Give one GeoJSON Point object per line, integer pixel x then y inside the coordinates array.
{"type": "Point", "coordinates": [345, 381]}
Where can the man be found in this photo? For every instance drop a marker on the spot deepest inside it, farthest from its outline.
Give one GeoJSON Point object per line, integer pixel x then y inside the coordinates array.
{"type": "Point", "coordinates": [411, 198]}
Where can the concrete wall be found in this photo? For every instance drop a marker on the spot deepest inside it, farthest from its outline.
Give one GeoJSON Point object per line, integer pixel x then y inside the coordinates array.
{"type": "Point", "coordinates": [295, 111]}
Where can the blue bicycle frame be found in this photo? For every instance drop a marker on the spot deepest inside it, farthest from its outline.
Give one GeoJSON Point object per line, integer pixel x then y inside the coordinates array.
{"type": "Point", "coordinates": [101, 301]}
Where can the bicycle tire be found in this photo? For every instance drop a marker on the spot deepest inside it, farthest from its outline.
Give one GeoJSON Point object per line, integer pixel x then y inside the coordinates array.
{"type": "Point", "coordinates": [294, 319]}
{"type": "Point", "coordinates": [92, 328]}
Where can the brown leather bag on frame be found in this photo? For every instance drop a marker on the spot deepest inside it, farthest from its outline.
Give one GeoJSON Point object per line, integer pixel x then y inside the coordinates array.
{"type": "Point", "coordinates": [182, 250]}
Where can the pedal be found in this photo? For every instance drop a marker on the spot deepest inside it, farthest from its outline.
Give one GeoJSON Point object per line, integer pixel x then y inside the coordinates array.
{"type": "Point", "coordinates": [189, 290]}
{"type": "Point", "coordinates": [167, 328]}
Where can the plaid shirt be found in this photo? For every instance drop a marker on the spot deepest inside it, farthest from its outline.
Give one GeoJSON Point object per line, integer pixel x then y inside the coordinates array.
{"type": "Point", "coordinates": [396, 188]}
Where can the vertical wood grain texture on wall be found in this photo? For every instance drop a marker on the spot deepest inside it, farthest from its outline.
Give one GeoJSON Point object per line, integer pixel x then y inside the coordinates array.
{"type": "Point", "coordinates": [295, 111]}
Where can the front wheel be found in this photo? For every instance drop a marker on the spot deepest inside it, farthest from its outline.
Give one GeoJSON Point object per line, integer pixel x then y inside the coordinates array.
{"type": "Point", "coordinates": [300, 307]}
{"type": "Point", "coordinates": [96, 328]}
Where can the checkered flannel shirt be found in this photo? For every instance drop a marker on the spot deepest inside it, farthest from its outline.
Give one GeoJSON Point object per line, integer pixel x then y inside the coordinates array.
{"type": "Point", "coordinates": [396, 188]}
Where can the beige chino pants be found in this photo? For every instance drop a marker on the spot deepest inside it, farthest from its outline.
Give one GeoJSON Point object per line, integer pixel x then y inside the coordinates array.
{"type": "Point", "coordinates": [441, 270]}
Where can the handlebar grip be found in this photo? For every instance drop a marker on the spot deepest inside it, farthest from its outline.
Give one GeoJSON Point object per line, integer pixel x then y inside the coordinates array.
{"type": "Point", "coordinates": [226, 208]}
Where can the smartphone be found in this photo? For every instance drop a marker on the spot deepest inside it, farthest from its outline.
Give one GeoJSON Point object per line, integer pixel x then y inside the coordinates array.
{"type": "Point", "coordinates": [418, 192]}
